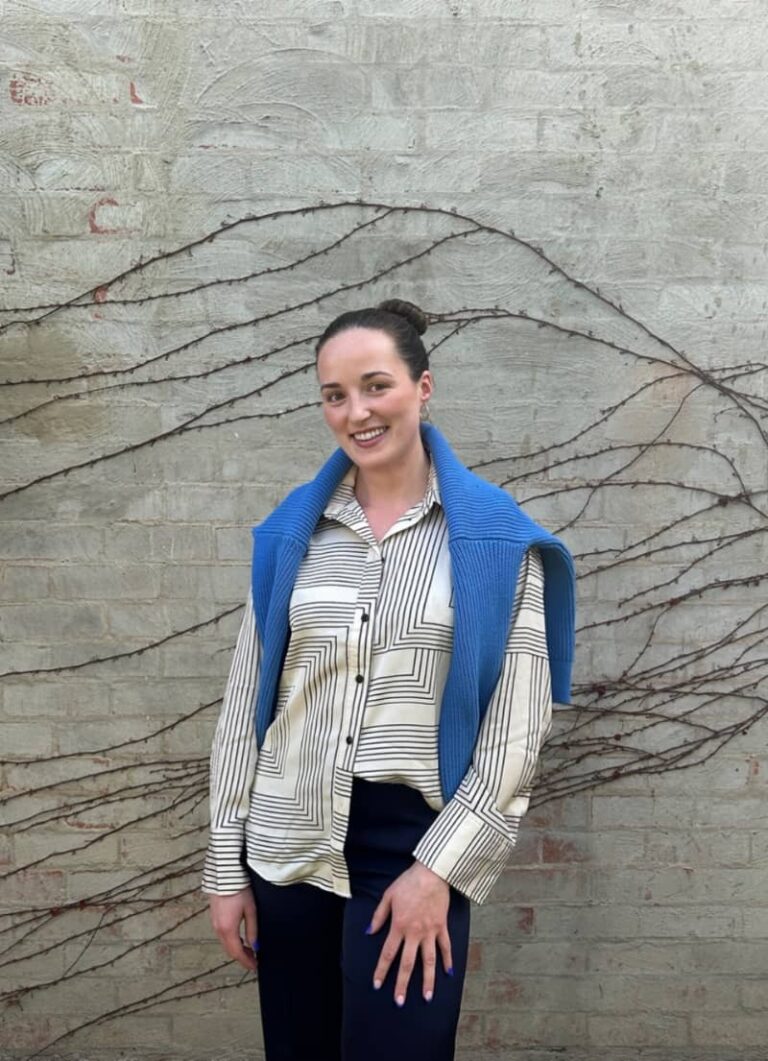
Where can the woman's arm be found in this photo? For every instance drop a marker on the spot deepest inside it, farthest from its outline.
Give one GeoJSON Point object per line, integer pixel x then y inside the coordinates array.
{"type": "Point", "coordinates": [469, 842]}
{"type": "Point", "coordinates": [232, 766]}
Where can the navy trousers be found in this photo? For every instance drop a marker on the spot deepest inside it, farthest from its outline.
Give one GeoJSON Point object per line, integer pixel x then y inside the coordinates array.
{"type": "Point", "coordinates": [316, 962]}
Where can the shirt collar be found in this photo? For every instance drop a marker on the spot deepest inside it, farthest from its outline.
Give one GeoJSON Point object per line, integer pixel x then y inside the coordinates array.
{"type": "Point", "coordinates": [344, 501]}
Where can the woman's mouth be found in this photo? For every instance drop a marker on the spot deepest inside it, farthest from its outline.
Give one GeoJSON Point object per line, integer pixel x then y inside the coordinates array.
{"type": "Point", "coordinates": [370, 437]}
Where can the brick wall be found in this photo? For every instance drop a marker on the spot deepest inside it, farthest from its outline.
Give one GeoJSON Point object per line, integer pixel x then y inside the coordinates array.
{"type": "Point", "coordinates": [628, 142]}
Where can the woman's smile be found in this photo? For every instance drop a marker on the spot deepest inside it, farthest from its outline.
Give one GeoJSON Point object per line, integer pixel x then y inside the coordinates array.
{"type": "Point", "coordinates": [369, 437]}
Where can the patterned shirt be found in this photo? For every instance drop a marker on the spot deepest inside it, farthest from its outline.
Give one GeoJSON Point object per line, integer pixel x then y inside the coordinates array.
{"type": "Point", "coordinates": [371, 626]}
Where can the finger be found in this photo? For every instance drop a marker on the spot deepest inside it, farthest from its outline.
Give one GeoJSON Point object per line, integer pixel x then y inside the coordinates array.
{"type": "Point", "coordinates": [386, 957]}
{"type": "Point", "coordinates": [251, 927]}
{"type": "Point", "coordinates": [380, 914]}
{"type": "Point", "coordinates": [428, 961]}
{"type": "Point", "coordinates": [228, 930]}
{"type": "Point", "coordinates": [236, 949]}
{"type": "Point", "coordinates": [444, 942]}
{"type": "Point", "coordinates": [407, 962]}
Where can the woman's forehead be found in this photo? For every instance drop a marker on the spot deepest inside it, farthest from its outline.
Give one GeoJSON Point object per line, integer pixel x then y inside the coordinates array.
{"type": "Point", "coordinates": [357, 352]}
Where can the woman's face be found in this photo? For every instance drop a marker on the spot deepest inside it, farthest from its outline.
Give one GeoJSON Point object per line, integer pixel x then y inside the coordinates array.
{"type": "Point", "coordinates": [370, 402]}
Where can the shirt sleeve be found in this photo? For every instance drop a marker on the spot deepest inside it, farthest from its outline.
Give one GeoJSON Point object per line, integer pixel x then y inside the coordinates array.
{"type": "Point", "coordinates": [470, 840]}
{"type": "Point", "coordinates": [232, 766]}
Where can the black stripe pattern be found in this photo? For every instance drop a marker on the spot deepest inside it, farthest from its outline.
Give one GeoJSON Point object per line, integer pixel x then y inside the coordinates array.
{"type": "Point", "coordinates": [371, 631]}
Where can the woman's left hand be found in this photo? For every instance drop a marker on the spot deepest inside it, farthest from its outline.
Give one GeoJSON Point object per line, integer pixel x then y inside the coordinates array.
{"type": "Point", "coordinates": [418, 903]}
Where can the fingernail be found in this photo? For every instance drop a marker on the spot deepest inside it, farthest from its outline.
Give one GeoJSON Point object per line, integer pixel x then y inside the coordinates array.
{"type": "Point", "coordinates": [376, 985]}
{"type": "Point", "coordinates": [428, 996]}
{"type": "Point", "coordinates": [254, 945]}
{"type": "Point", "coordinates": [369, 930]}
{"type": "Point", "coordinates": [450, 971]}
{"type": "Point", "coordinates": [400, 1000]}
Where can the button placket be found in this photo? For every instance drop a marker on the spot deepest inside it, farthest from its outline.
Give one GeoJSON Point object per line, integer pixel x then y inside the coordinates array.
{"type": "Point", "coordinates": [360, 651]}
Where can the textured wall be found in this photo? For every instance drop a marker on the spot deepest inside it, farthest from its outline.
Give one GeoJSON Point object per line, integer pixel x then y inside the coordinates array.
{"type": "Point", "coordinates": [578, 192]}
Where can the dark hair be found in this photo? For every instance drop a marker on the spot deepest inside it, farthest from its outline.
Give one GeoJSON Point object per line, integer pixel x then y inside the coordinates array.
{"type": "Point", "coordinates": [403, 322]}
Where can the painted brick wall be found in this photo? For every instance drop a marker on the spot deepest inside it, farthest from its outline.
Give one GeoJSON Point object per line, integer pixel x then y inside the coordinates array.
{"type": "Point", "coordinates": [626, 141]}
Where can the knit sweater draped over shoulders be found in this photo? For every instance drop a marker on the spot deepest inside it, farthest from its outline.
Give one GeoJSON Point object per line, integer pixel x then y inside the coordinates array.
{"type": "Point", "coordinates": [488, 535]}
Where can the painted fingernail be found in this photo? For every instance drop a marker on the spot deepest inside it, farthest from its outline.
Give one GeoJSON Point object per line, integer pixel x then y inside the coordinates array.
{"type": "Point", "coordinates": [428, 996]}
{"type": "Point", "coordinates": [369, 930]}
{"type": "Point", "coordinates": [254, 945]}
{"type": "Point", "coordinates": [376, 985]}
{"type": "Point", "coordinates": [450, 971]}
{"type": "Point", "coordinates": [400, 1000]}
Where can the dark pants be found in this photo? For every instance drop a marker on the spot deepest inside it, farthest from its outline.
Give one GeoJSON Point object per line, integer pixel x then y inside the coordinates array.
{"type": "Point", "coordinates": [316, 962]}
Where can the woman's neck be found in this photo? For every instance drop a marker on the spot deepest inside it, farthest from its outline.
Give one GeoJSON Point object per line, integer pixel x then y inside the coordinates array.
{"type": "Point", "coordinates": [388, 487]}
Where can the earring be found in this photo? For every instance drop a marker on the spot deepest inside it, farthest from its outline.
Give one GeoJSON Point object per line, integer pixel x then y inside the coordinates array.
{"type": "Point", "coordinates": [424, 411]}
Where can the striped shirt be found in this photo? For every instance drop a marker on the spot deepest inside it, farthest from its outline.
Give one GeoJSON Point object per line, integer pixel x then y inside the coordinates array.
{"type": "Point", "coordinates": [371, 627]}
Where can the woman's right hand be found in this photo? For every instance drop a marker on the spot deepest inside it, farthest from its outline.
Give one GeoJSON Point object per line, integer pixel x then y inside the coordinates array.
{"type": "Point", "coordinates": [227, 913]}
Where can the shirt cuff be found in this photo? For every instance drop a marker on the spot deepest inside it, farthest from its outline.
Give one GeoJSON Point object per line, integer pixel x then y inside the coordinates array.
{"type": "Point", "coordinates": [466, 850]}
{"type": "Point", "coordinates": [223, 871]}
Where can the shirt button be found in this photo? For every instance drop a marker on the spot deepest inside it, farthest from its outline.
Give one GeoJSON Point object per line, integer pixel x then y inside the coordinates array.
{"type": "Point", "coordinates": [349, 740]}
{"type": "Point", "coordinates": [359, 678]}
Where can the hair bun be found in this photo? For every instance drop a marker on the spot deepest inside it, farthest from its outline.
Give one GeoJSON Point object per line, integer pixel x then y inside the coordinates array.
{"type": "Point", "coordinates": [415, 316]}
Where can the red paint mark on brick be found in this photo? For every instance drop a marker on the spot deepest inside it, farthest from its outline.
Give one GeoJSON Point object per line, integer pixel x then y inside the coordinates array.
{"type": "Point", "coordinates": [754, 766]}
{"type": "Point", "coordinates": [505, 989]}
{"type": "Point", "coordinates": [493, 1038]}
{"type": "Point", "coordinates": [135, 97]}
{"type": "Point", "coordinates": [469, 1028]}
{"type": "Point", "coordinates": [555, 849]}
{"type": "Point", "coordinates": [100, 294]}
{"type": "Point", "coordinates": [93, 224]}
{"type": "Point", "coordinates": [124, 58]}
{"type": "Point", "coordinates": [528, 848]}
{"type": "Point", "coordinates": [526, 918]}
{"type": "Point", "coordinates": [78, 823]}
{"type": "Point", "coordinates": [475, 957]}
{"type": "Point", "coordinates": [27, 90]}
{"type": "Point", "coordinates": [544, 817]}
{"type": "Point", "coordinates": [647, 894]}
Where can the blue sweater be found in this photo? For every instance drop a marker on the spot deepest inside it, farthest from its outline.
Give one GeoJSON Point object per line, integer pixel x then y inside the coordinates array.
{"type": "Point", "coordinates": [488, 535]}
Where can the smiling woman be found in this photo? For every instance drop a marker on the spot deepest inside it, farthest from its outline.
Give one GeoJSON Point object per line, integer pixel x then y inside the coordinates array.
{"type": "Point", "coordinates": [372, 401]}
{"type": "Point", "coordinates": [389, 694]}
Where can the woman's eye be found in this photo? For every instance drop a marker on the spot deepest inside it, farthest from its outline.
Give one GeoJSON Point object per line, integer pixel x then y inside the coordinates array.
{"type": "Point", "coordinates": [333, 396]}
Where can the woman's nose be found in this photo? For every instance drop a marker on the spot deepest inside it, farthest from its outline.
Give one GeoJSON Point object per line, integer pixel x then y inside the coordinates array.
{"type": "Point", "coordinates": [358, 407]}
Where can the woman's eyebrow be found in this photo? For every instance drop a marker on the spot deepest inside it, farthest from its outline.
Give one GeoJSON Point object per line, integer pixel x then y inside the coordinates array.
{"type": "Point", "coordinates": [377, 372]}
{"type": "Point", "coordinates": [365, 375]}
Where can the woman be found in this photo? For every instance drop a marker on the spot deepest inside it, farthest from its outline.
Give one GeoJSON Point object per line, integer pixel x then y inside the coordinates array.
{"type": "Point", "coordinates": [406, 628]}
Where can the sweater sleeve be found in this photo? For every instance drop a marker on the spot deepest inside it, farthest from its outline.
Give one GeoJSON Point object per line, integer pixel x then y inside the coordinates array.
{"type": "Point", "coordinates": [232, 766]}
{"type": "Point", "coordinates": [470, 840]}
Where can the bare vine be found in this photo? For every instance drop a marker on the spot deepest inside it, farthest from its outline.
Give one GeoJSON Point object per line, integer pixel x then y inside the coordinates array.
{"type": "Point", "coordinates": [658, 706]}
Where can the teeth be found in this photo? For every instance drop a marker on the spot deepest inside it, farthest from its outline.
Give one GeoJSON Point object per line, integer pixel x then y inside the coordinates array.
{"type": "Point", "coordinates": [364, 436]}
